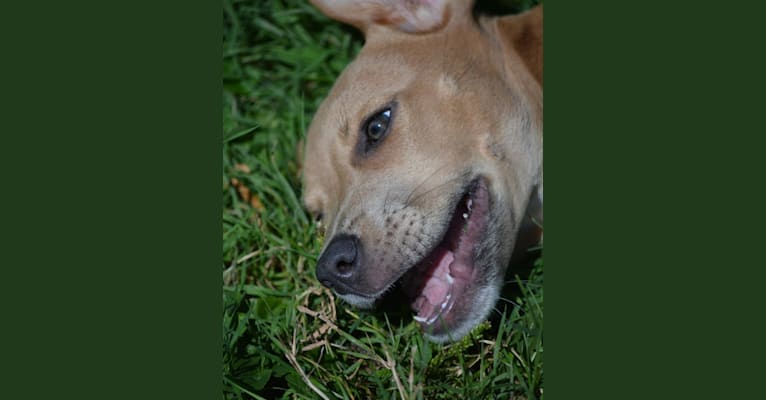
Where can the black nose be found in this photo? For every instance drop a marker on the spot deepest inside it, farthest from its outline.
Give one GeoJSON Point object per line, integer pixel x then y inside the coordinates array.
{"type": "Point", "coordinates": [337, 266]}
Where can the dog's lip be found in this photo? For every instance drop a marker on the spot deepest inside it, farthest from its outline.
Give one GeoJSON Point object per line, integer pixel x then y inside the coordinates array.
{"type": "Point", "coordinates": [444, 276]}
{"type": "Point", "coordinates": [342, 289]}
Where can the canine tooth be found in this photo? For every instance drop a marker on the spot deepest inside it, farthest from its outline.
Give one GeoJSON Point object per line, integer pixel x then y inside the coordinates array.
{"type": "Point", "coordinates": [450, 279]}
{"type": "Point", "coordinates": [465, 216]}
{"type": "Point", "coordinates": [445, 302]}
{"type": "Point", "coordinates": [450, 307]}
{"type": "Point", "coordinates": [419, 319]}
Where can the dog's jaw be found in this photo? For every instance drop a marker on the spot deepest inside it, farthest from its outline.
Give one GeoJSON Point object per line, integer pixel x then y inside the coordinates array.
{"type": "Point", "coordinates": [455, 286]}
{"type": "Point", "coordinates": [483, 302]}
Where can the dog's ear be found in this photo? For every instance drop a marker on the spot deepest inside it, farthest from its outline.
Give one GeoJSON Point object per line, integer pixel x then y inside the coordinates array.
{"type": "Point", "coordinates": [525, 32]}
{"type": "Point", "coordinates": [412, 16]}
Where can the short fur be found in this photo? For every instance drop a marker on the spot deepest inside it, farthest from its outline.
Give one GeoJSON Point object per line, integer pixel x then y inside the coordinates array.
{"type": "Point", "coordinates": [468, 96]}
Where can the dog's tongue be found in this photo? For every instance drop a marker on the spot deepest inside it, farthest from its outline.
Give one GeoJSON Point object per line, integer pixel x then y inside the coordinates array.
{"type": "Point", "coordinates": [437, 286]}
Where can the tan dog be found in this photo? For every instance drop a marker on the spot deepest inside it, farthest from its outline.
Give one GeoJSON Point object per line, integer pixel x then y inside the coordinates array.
{"type": "Point", "coordinates": [424, 157]}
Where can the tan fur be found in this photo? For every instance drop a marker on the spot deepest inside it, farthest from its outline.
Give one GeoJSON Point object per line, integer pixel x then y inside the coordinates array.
{"type": "Point", "coordinates": [469, 102]}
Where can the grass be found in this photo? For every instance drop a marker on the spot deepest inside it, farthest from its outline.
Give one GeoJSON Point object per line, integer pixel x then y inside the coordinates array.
{"type": "Point", "coordinates": [284, 335]}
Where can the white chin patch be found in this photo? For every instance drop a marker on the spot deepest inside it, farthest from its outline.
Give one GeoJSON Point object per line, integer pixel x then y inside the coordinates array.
{"type": "Point", "coordinates": [483, 303]}
{"type": "Point", "coordinates": [358, 301]}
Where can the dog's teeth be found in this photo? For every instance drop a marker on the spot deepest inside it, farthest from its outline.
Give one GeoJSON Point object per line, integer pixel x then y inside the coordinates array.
{"type": "Point", "coordinates": [446, 301]}
{"type": "Point", "coordinates": [419, 319]}
{"type": "Point", "coordinates": [465, 216]}
{"type": "Point", "coordinates": [450, 279]}
{"type": "Point", "coordinates": [470, 203]}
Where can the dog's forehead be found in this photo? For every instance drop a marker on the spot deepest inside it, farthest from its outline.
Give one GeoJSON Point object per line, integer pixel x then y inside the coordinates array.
{"type": "Point", "coordinates": [373, 77]}
{"type": "Point", "coordinates": [379, 74]}
{"type": "Point", "coordinates": [404, 62]}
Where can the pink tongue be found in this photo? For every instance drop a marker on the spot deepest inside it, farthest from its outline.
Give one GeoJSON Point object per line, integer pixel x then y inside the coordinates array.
{"type": "Point", "coordinates": [436, 287]}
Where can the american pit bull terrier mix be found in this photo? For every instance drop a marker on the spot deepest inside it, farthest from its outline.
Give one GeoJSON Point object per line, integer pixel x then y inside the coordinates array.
{"type": "Point", "coordinates": [427, 155]}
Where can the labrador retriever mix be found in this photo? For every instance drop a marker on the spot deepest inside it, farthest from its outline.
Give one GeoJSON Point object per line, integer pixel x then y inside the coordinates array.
{"type": "Point", "coordinates": [426, 156]}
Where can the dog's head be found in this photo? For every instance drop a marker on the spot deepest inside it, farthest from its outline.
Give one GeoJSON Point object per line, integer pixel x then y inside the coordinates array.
{"type": "Point", "coordinates": [422, 158]}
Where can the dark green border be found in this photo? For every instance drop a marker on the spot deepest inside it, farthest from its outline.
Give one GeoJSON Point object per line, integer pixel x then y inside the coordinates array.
{"type": "Point", "coordinates": [111, 211]}
{"type": "Point", "coordinates": [650, 163]}
{"type": "Point", "coordinates": [111, 182]}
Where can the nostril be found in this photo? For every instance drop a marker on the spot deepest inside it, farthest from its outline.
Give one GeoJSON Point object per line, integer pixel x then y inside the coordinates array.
{"type": "Point", "coordinates": [339, 261]}
{"type": "Point", "coordinates": [344, 252]}
{"type": "Point", "coordinates": [344, 268]}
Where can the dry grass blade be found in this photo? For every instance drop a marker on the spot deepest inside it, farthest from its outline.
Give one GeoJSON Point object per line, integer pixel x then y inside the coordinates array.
{"type": "Point", "coordinates": [391, 364]}
{"type": "Point", "coordinates": [294, 362]}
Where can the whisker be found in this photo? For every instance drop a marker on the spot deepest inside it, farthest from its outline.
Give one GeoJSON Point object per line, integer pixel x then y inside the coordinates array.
{"type": "Point", "coordinates": [440, 185]}
{"type": "Point", "coordinates": [423, 182]}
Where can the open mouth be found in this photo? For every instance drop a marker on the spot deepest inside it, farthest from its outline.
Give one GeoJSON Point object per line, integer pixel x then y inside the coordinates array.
{"type": "Point", "coordinates": [446, 274]}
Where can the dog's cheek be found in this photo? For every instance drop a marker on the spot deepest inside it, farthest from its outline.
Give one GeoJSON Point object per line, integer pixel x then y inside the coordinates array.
{"type": "Point", "coordinates": [490, 149]}
{"type": "Point", "coordinates": [494, 253]}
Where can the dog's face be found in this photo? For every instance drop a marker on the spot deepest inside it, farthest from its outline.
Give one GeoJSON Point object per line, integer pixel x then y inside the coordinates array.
{"type": "Point", "coordinates": [420, 162]}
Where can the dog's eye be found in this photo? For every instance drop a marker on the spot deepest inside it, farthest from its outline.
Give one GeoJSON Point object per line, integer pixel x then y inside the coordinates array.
{"type": "Point", "coordinates": [377, 126]}
{"type": "Point", "coordinates": [374, 129]}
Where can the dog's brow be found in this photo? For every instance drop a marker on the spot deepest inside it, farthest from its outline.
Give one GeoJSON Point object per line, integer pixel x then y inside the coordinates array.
{"type": "Point", "coordinates": [342, 118]}
{"type": "Point", "coordinates": [344, 127]}
{"type": "Point", "coordinates": [468, 67]}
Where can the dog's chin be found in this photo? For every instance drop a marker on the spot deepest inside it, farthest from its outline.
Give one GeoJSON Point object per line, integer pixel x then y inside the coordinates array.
{"type": "Point", "coordinates": [362, 302]}
{"type": "Point", "coordinates": [452, 289]}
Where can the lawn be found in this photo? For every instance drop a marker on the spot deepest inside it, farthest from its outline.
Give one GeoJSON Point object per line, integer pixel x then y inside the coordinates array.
{"type": "Point", "coordinates": [284, 335]}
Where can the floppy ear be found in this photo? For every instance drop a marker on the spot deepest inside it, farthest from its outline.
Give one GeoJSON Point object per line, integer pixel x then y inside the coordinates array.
{"type": "Point", "coordinates": [412, 16]}
{"type": "Point", "coordinates": [525, 33]}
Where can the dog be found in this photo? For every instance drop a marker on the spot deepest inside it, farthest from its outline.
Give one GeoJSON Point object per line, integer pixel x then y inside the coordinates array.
{"type": "Point", "coordinates": [426, 156]}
